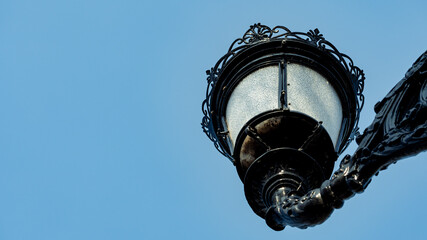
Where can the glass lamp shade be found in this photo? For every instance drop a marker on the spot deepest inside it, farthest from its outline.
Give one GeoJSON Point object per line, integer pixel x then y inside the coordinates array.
{"type": "Point", "coordinates": [310, 93]}
{"type": "Point", "coordinates": [255, 94]}
{"type": "Point", "coordinates": [307, 92]}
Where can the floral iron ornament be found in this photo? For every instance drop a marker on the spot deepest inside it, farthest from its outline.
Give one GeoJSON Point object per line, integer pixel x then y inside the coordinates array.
{"type": "Point", "coordinates": [399, 130]}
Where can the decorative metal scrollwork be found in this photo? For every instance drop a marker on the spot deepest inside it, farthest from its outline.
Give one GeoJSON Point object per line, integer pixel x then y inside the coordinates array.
{"type": "Point", "coordinates": [399, 130]}
{"type": "Point", "coordinates": [258, 33]}
{"type": "Point", "coordinates": [207, 126]}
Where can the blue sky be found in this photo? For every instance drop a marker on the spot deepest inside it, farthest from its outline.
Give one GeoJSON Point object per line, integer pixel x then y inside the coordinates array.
{"type": "Point", "coordinates": [100, 111]}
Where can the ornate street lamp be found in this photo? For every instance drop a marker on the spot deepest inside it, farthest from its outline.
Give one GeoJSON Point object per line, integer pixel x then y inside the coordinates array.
{"type": "Point", "coordinates": [283, 105]}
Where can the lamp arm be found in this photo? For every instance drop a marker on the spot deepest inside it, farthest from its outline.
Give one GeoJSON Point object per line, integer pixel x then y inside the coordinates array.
{"type": "Point", "coordinates": [399, 130]}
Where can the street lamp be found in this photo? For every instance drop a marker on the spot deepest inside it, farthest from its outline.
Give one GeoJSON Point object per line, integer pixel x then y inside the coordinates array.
{"type": "Point", "coordinates": [282, 106]}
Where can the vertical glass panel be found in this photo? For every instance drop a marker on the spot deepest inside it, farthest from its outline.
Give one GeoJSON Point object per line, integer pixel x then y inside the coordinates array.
{"type": "Point", "coordinates": [256, 93]}
{"type": "Point", "coordinates": [310, 93]}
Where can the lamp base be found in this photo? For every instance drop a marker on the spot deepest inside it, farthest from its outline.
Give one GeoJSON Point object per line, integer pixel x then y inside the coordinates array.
{"type": "Point", "coordinates": [281, 154]}
{"type": "Point", "coordinates": [277, 173]}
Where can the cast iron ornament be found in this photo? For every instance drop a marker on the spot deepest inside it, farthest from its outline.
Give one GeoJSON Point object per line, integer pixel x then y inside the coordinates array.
{"type": "Point", "coordinates": [398, 131]}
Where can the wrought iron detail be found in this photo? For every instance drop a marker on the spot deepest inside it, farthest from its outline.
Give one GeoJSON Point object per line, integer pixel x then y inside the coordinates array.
{"type": "Point", "coordinates": [207, 126]}
{"type": "Point", "coordinates": [399, 130]}
{"type": "Point", "coordinates": [259, 33]}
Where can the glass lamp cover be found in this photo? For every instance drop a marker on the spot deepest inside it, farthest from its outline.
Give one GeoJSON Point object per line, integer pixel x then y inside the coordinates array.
{"type": "Point", "coordinates": [310, 93]}
{"type": "Point", "coordinates": [256, 93]}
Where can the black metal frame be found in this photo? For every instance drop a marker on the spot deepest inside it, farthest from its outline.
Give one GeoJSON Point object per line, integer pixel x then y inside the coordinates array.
{"type": "Point", "coordinates": [262, 46]}
{"type": "Point", "coordinates": [297, 153]}
{"type": "Point", "coordinates": [326, 155]}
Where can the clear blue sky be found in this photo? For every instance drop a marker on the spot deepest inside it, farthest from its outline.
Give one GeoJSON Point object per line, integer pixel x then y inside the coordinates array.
{"type": "Point", "coordinates": [100, 110]}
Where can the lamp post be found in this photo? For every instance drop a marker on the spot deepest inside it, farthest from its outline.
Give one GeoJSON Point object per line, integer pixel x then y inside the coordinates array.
{"type": "Point", "coordinates": [283, 105]}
